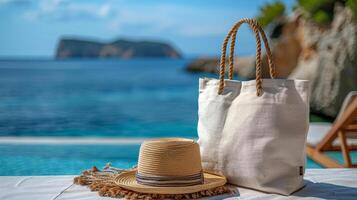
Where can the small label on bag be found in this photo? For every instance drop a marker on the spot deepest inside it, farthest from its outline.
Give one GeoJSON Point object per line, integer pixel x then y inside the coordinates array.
{"type": "Point", "coordinates": [301, 170]}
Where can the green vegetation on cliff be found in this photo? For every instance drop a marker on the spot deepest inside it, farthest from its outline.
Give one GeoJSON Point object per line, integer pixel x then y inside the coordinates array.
{"type": "Point", "coordinates": [352, 4]}
{"type": "Point", "coordinates": [269, 12]}
{"type": "Point", "coordinates": [320, 12]}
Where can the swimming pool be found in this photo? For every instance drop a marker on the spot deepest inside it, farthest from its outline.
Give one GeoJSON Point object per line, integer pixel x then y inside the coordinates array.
{"type": "Point", "coordinates": [29, 159]}
{"type": "Point", "coordinates": [68, 159]}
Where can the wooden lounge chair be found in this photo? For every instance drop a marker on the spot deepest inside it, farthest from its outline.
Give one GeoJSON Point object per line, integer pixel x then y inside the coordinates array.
{"type": "Point", "coordinates": [344, 128]}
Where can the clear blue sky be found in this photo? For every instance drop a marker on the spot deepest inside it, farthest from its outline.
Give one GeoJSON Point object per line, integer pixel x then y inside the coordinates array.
{"type": "Point", "coordinates": [32, 28]}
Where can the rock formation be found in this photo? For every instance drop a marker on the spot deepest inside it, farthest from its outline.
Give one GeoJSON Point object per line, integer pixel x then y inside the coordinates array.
{"type": "Point", "coordinates": [329, 62]}
{"type": "Point", "coordinates": [78, 48]}
{"type": "Point", "coordinates": [211, 65]}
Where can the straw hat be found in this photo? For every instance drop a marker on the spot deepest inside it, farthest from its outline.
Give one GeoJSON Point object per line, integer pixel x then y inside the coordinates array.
{"type": "Point", "coordinates": [169, 166]}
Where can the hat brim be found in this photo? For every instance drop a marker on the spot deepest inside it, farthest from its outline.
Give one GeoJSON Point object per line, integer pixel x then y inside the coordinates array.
{"type": "Point", "coordinates": [127, 180]}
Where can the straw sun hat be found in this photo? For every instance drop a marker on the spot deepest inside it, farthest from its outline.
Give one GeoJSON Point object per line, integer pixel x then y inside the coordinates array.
{"type": "Point", "coordinates": [169, 166]}
{"type": "Point", "coordinates": [167, 169]}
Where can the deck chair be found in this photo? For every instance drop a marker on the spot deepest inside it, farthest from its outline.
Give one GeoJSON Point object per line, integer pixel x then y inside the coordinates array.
{"type": "Point", "coordinates": [340, 136]}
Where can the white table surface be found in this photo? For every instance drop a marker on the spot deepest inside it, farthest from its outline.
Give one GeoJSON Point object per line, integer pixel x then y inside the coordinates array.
{"type": "Point", "coordinates": [320, 184]}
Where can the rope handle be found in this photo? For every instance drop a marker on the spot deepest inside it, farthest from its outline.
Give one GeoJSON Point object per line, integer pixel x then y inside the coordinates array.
{"type": "Point", "coordinates": [267, 48]}
{"type": "Point", "coordinates": [254, 25]}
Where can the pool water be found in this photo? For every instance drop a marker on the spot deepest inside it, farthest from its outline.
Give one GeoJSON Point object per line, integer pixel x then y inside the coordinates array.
{"type": "Point", "coordinates": [19, 159]}
{"type": "Point", "coordinates": [16, 160]}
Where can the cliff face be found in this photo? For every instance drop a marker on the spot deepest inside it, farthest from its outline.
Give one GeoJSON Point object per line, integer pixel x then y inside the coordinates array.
{"type": "Point", "coordinates": [77, 48]}
{"type": "Point", "coordinates": [329, 61]}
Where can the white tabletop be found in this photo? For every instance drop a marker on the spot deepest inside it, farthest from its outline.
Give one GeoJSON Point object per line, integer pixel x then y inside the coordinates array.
{"type": "Point", "coordinates": [320, 184]}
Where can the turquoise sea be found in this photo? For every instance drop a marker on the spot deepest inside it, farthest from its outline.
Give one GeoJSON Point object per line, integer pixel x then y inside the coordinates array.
{"type": "Point", "coordinates": [103, 98]}
{"type": "Point", "coordinates": [92, 98]}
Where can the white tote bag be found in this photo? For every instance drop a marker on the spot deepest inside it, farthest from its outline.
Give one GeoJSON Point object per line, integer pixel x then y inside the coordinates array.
{"type": "Point", "coordinates": [254, 132]}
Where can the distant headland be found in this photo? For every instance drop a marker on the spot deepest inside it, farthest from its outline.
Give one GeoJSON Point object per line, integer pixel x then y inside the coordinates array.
{"type": "Point", "coordinates": [81, 48]}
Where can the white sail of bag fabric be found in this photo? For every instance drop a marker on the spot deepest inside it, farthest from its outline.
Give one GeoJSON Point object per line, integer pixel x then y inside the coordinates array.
{"type": "Point", "coordinates": [254, 132]}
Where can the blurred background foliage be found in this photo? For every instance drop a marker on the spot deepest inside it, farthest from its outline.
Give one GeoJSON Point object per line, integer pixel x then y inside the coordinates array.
{"type": "Point", "coordinates": [352, 4]}
{"type": "Point", "coordinates": [318, 11]}
{"type": "Point", "coordinates": [269, 12]}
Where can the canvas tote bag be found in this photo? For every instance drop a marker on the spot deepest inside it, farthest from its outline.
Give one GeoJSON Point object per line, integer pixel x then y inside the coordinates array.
{"type": "Point", "coordinates": [254, 132]}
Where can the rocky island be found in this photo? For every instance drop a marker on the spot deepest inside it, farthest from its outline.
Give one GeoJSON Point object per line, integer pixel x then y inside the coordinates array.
{"type": "Point", "coordinates": [79, 48]}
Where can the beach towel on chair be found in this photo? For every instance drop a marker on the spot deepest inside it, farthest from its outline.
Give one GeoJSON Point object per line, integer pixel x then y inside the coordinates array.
{"type": "Point", "coordinates": [254, 131]}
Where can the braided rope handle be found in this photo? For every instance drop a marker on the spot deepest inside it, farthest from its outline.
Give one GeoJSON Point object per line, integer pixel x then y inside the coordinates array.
{"type": "Point", "coordinates": [232, 33]}
{"type": "Point", "coordinates": [267, 48]}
